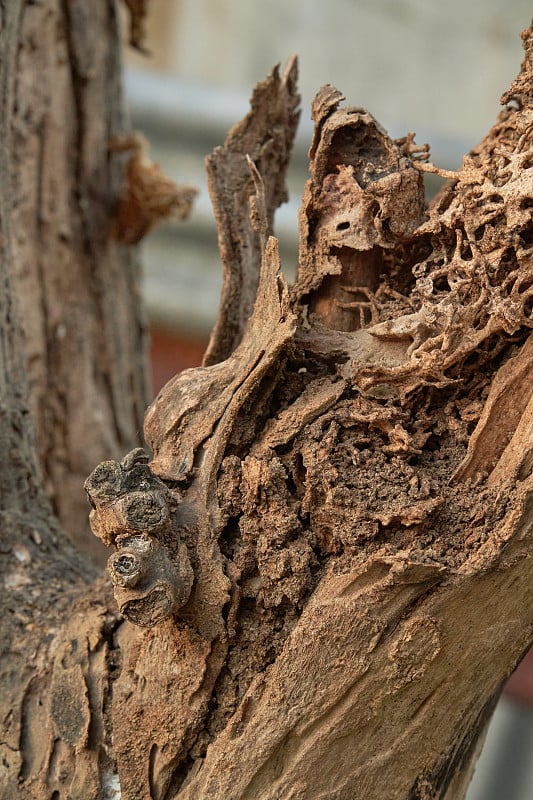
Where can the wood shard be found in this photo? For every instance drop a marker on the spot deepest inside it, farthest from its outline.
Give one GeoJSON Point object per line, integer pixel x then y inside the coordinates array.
{"type": "Point", "coordinates": [412, 515]}
{"type": "Point", "coordinates": [265, 136]}
{"type": "Point", "coordinates": [190, 408]}
{"type": "Point", "coordinates": [138, 10]}
{"type": "Point", "coordinates": [314, 401]}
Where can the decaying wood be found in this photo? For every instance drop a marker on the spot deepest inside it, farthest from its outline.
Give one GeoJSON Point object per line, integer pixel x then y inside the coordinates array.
{"type": "Point", "coordinates": [371, 585]}
{"type": "Point", "coordinates": [364, 197]}
{"type": "Point", "coordinates": [351, 487]}
{"type": "Point", "coordinates": [265, 135]}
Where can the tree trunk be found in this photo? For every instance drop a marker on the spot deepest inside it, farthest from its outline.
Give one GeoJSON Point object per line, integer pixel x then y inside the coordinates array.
{"type": "Point", "coordinates": [76, 286]}
{"type": "Point", "coordinates": [323, 573]}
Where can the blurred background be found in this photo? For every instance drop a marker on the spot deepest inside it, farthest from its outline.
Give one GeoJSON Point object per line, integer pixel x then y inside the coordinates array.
{"type": "Point", "coordinates": [418, 65]}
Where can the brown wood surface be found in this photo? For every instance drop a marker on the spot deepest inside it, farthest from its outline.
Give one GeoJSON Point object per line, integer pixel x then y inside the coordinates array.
{"type": "Point", "coordinates": [77, 287]}
{"type": "Point", "coordinates": [354, 500]}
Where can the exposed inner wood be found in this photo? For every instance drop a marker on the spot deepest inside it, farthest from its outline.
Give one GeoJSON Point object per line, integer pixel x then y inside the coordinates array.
{"type": "Point", "coordinates": [352, 484]}
{"type": "Point", "coordinates": [364, 577]}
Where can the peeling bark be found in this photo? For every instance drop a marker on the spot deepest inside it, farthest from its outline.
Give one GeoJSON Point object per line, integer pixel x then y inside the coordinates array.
{"type": "Point", "coordinates": [351, 487]}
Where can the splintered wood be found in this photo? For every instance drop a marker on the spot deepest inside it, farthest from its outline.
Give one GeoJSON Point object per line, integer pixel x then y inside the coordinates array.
{"type": "Point", "coordinates": [364, 455]}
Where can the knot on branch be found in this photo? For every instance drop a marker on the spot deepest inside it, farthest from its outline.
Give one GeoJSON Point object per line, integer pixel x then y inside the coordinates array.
{"type": "Point", "coordinates": [135, 511]}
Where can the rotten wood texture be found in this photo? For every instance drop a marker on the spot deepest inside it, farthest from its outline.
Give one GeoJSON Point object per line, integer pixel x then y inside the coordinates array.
{"type": "Point", "coordinates": [367, 586]}
{"type": "Point", "coordinates": [77, 288]}
{"type": "Point", "coordinates": [364, 197]}
{"type": "Point", "coordinates": [355, 498]}
{"type": "Point", "coordinates": [266, 136]}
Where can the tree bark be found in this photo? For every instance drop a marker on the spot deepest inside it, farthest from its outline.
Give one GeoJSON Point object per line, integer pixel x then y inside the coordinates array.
{"type": "Point", "coordinates": [41, 572]}
{"type": "Point", "coordinates": [323, 572]}
{"type": "Point", "coordinates": [77, 287]}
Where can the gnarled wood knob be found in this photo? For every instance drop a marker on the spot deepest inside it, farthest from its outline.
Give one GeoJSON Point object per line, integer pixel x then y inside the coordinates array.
{"type": "Point", "coordinates": [133, 509]}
